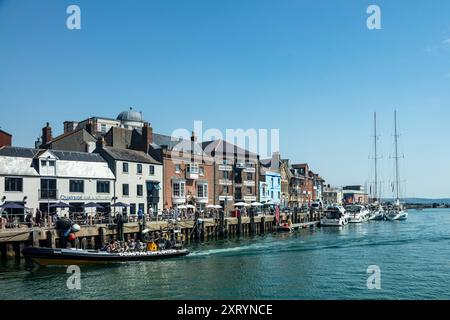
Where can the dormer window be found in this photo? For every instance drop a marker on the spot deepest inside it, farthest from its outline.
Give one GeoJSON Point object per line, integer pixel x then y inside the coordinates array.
{"type": "Point", "coordinates": [51, 163]}
{"type": "Point", "coordinates": [43, 163]}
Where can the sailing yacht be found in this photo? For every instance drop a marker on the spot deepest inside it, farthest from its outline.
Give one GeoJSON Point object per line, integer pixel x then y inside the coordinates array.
{"type": "Point", "coordinates": [396, 211]}
{"type": "Point", "coordinates": [376, 209]}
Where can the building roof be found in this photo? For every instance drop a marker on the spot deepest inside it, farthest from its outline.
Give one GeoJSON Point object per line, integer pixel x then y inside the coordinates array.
{"type": "Point", "coordinates": [176, 144]}
{"type": "Point", "coordinates": [86, 135]}
{"type": "Point", "coordinates": [20, 152]}
{"type": "Point", "coordinates": [221, 147]}
{"type": "Point", "coordinates": [129, 155]}
{"type": "Point", "coordinates": [6, 133]}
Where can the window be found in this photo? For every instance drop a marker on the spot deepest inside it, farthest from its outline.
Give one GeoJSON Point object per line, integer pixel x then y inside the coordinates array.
{"type": "Point", "coordinates": [125, 167]}
{"type": "Point", "coordinates": [201, 170]}
{"type": "Point", "coordinates": [238, 194]}
{"type": "Point", "coordinates": [141, 207]}
{"type": "Point", "coordinates": [249, 190]}
{"type": "Point", "coordinates": [102, 186]}
{"type": "Point", "coordinates": [125, 189]}
{"type": "Point", "coordinates": [140, 190]}
{"type": "Point", "coordinates": [226, 175]}
{"type": "Point", "coordinates": [177, 168]}
{"type": "Point", "coordinates": [51, 163]}
{"type": "Point", "coordinates": [76, 186]}
{"type": "Point", "coordinates": [249, 176]}
{"type": "Point", "coordinates": [43, 163]}
{"type": "Point", "coordinates": [202, 190]}
{"type": "Point", "coordinates": [225, 189]}
{"type": "Point", "coordinates": [279, 195]}
{"type": "Point", "coordinates": [192, 168]}
{"type": "Point", "coordinates": [48, 188]}
{"type": "Point", "coordinates": [103, 128]}
{"type": "Point", "coordinates": [178, 189]}
{"type": "Point", "coordinates": [14, 184]}
{"type": "Point", "coordinates": [152, 170]}
{"type": "Point", "coordinates": [271, 194]}
{"type": "Point", "coordinates": [139, 168]}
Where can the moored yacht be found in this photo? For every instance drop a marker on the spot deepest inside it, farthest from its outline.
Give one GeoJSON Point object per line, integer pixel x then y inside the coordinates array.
{"type": "Point", "coordinates": [357, 213]}
{"type": "Point", "coordinates": [397, 212]}
{"type": "Point", "coordinates": [335, 216]}
{"type": "Point", "coordinates": [377, 212]}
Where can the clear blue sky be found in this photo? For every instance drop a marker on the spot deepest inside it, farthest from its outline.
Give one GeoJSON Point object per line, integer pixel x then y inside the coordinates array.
{"type": "Point", "coordinates": [310, 68]}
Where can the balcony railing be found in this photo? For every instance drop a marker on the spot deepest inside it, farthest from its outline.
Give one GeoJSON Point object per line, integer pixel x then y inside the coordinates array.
{"type": "Point", "coordinates": [48, 194]}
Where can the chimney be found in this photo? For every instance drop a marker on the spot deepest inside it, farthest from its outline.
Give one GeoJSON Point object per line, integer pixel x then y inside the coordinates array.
{"type": "Point", "coordinates": [147, 137]}
{"type": "Point", "coordinates": [46, 134]}
{"type": "Point", "coordinates": [100, 143]}
{"type": "Point", "coordinates": [89, 127]}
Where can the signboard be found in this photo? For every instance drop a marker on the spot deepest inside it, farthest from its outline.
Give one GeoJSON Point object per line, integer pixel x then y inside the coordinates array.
{"type": "Point", "coordinates": [85, 198]}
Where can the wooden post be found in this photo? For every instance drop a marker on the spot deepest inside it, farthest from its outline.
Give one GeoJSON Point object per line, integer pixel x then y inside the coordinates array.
{"type": "Point", "coordinates": [221, 223]}
{"type": "Point", "coordinates": [262, 225]}
{"type": "Point", "coordinates": [51, 238]}
{"type": "Point", "coordinates": [252, 221]}
{"type": "Point", "coordinates": [102, 237]}
{"type": "Point", "coordinates": [239, 225]}
{"type": "Point", "coordinates": [16, 248]}
{"type": "Point", "coordinates": [3, 251]}
{"type": "Point", "coordinates": [36, 234]}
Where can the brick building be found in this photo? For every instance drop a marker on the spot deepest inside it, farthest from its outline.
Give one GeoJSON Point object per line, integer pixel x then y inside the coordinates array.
{"type": "Point", "coordinates": [188, 172]}
{"type": "Point", "coordinates": [236, 173]}
{"type": "Point", "coordinates": [5, 139]}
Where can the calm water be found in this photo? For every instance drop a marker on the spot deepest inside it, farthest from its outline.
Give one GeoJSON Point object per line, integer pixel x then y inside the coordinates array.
{"type": "Point", "coordinates": [414, 258]}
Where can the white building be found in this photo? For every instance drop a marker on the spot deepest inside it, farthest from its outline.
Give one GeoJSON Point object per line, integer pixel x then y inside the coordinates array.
{"type": "Point", "coordinates": [38, 178]}
{"type": "Point", "coordinates": [139, 178]}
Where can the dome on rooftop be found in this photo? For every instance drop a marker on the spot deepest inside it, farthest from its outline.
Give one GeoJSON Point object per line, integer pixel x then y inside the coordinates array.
{"type": "Point", "coordinates": [130, 115]}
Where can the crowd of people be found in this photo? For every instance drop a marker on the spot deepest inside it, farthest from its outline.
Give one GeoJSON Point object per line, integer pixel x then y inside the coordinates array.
{"type": "Point", "coordinates": [125, 246]}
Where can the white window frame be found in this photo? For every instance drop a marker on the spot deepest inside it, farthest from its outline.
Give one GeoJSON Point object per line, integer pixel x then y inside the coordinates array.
{"type": "Point", "coordinates": [179, 192]}
{"type": "Point", "coordinates": [204, 193]}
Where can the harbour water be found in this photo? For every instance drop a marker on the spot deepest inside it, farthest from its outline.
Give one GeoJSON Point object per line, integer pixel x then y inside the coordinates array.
{"type": "Point", "coordinates": [321, 263]}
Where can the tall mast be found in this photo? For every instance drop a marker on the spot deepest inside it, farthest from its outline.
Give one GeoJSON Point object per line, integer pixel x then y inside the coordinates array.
{"type": "Point", "coordinates": [396, 157]}
{"type": "Point", "coordinates": [376, 158]}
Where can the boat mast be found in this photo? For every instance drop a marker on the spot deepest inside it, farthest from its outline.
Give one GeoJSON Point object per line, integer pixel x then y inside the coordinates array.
{"type": "Point", "coordinates": [396, 158]}
{"type": "Point", "coordinates": [376, 159]}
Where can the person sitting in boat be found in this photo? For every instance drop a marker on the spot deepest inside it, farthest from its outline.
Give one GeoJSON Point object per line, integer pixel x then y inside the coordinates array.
{"type": "Point", "coordinates": [132, 245]}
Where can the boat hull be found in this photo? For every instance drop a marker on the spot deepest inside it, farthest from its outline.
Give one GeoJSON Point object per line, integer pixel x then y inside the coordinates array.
{"type": "Point", "coordinates": [48, 256]}
{"type": "Point", "coordinates": [398, 216]}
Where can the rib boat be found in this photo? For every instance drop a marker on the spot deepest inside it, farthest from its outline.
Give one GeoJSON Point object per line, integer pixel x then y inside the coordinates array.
{"type": "Point", "coordinates": [49, 256]}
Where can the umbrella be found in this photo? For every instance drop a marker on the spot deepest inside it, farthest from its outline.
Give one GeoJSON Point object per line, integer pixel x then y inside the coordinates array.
{"type": "Point", "coordinates": [93, 205]}
{"type": "Point", "coordinates": [190, 206]}
{"type": "Point", "coordinates": [218, 207]}
{"type": "Point", "coordinates": [120, 204]}
{"type": "Point", "coordinates": [60, 205]}
{"type": "Point", "coordinates": [270, 202]}
{"type": "Point", "coordinates": [256, 204]}
{"type": "Point", "coordinates": [11, 205]}
{"type": "Point", "coordinates": [241, 204]}
{"type": "Point", "coordinates": [210, 206]}
{"type": "Point", "coordinates": [182, 207]}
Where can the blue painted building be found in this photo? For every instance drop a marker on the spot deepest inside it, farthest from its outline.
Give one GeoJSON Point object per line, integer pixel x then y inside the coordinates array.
{"type": "Point", "coordinates": [270, 181]}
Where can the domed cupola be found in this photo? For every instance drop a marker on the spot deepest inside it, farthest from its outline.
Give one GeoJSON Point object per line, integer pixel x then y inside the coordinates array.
{"type": "Point", "coordinates": [130, 116]}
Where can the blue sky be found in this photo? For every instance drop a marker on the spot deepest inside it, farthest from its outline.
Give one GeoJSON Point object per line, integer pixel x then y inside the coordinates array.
{"type": "Point", "coordinates": [310, 68]}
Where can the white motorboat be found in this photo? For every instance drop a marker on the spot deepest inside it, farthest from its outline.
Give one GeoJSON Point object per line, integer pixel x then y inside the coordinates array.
{"type": "Point", "coordinates": [357, 213]}
{"type": "Point", "coordinates": [335, 216]}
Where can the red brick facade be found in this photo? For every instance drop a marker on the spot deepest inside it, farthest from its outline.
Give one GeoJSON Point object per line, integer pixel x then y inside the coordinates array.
{"type": "Point", "coordinates": [5, 139]}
